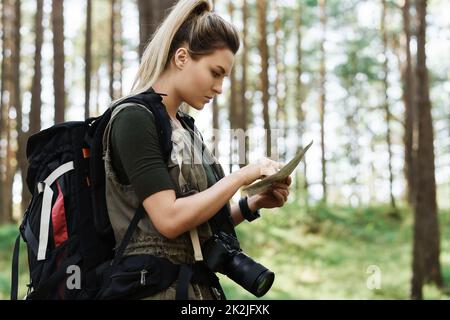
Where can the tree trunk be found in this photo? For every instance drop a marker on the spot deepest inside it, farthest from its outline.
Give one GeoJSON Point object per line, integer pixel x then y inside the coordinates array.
{"type": "Point", "coordinates": [3, 106]}
{"type": "Point", "coordinates": [216, 127]}
{"type": "Point", "coordinates": [280, 95]}
{"type": "Point", "coordinates": [276, 58]}
{"type": "Point", "coordinates": [119, 48]}
{"type": "Point", "coordinates": [322, 97]}
{"type": "Point", "coordinates": [112, 50]}
{"type": "Point", "coordinates": [35, 112]}
{"type": "Point", "coordinates": [386, 102]}
{"type": "Point", "coordinates": [88, 60]}
{"type": "Point", "coordinates": [410, 114]}
{"type": "Point", "coordinates": [233, 117]}
{"type": "Point", "coordinates": [58, 58]}
{"type": "Point", "coordinates": [426, 248]}
{"type": "Point", "coordinates": [7, 97]}
{"type": "Point", "coordinates": [115, 58]}
{"type": "Point", "coordinates": [283, 100]}
{"type": "Point", "coordinates": [151, 14]}
{"type": "Point", "coordinates": [372, 184]}
{"type": "Point", "coordinates": [97, 92]}
{"type": "Point", "coordinates": [11, 164]}
{"type": "Point", "coordinates": [215, 119]}
{"type": "Point", "coordinates": [264, 53]}
{"type": "Point", "coordinates": [300, 115]}
{"type": "Point", "coordinates": [21, 135]}
{"type": "Point", "coordinates": [146, 29]}
{"type": "Point", "coordinates": [244, 104]}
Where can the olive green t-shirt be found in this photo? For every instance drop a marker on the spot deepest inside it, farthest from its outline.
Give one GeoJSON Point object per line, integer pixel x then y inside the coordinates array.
{"type": "Point", "coordinates": [136, 153]}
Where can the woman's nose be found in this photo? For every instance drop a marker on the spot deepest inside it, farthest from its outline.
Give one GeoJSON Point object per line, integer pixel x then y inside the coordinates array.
{"type": "Point", "coordinates": [218, 88]}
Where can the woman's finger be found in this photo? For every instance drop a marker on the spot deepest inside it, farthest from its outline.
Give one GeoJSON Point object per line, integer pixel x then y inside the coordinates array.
{"type": "Point", "coordinates": [279, 196]}
{"type": "Point", "coordinates": [278, 185]}
{"type": "Point", "coordinates": [283, 191]}
{"type": "Point", "coordinates": [288, 180]}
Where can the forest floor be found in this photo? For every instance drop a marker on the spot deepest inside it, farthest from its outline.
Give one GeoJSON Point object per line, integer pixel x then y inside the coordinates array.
{"type": "Point", "coordinates": [332, 253]}
{"type": "Point", "coordinates": [320, 253]}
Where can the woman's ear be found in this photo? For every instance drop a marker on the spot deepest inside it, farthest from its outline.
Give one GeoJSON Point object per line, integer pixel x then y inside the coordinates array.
{"type": "Point", "coordinates": [181, 57]}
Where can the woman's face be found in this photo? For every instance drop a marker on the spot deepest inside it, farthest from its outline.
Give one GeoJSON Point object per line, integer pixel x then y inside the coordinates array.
{"type": "Point", "coordinates": [199, 81]}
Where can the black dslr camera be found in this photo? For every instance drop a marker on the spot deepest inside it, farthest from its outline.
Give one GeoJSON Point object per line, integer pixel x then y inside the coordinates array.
{"type": "Point", "coordinates": [221, 253]}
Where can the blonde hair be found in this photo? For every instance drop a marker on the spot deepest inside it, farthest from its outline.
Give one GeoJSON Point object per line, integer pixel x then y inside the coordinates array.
{"type": "Point", "coordinates": [190, 22]}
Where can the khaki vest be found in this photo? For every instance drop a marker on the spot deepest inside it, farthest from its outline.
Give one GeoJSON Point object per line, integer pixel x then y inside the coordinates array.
{"type": "Point", "coordinates": [188, 178]}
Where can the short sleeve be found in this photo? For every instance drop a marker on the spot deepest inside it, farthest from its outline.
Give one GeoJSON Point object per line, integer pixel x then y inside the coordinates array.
{"type": "Point", "coordinates": [137, 153]}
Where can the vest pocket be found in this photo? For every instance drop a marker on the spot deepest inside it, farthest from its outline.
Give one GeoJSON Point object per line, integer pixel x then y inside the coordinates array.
{"type": "Point", "coordinates": [137, 276]}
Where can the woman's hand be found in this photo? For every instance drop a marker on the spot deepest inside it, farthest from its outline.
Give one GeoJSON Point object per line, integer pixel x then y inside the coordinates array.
{"type": "Point", "coordinates": [261, 168]}
{"type": "Point", "coordinates": [274, 197]}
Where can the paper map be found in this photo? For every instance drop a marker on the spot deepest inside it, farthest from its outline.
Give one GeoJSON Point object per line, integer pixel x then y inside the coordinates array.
{"type": "Point", "coordinates": [282, 174]}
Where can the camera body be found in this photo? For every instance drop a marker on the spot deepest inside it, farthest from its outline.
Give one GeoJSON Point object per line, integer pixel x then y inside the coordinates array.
{"type": "Point", "coordinates": [222, 253]}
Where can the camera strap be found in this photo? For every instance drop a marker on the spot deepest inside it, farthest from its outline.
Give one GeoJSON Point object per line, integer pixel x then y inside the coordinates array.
{"type": "Point", "coordinates": [196, 245]}
{"type": "Point", "coordinates": [178, 153]}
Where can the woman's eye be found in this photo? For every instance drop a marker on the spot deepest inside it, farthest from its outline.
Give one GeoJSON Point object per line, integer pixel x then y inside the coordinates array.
{"type": "Point", "coordinates": [215, 74]}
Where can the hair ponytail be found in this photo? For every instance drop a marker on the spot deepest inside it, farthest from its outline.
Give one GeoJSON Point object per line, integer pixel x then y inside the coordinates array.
{"type": "Point", "coordinates": [192, 22]}
{"type": "Point", "coordinates": [156, 53]}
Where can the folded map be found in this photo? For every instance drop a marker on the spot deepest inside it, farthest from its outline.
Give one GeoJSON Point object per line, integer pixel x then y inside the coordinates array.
{"type": "Point", "coordinates": [283, 173]}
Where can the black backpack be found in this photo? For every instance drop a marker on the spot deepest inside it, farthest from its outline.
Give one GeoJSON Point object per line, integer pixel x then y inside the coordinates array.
{"type": "Point", "coordinates": [66, 223]}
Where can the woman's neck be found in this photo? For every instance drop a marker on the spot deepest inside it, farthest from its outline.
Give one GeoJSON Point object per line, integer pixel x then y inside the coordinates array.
{"type": "Point", "coordinates": [172, 101]}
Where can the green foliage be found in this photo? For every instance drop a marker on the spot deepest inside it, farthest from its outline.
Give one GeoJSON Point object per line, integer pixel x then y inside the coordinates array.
{"type": "Point", "coordinates": [325, 253]}
{"type": "Point", "coordinates": [310, 3]}
{"type": "Point", "coordinates": [8, 234]}
{"type": "Point", "coordinates": [320, 253]}
{"type": "Point", "coordinates": [359, 60]}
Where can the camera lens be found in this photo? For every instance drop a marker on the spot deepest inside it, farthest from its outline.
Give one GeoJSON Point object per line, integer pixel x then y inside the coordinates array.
{"type": "Point", "coordinates": [263, 283]}
{"type": "Point", "coordinates": [222, 253]}
{"type": "Point", "coordinates": [249, 274]}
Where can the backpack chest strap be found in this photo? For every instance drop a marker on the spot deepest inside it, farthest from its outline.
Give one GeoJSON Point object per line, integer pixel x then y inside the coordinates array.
{"type": "Point", "coordinates": [44, 187]}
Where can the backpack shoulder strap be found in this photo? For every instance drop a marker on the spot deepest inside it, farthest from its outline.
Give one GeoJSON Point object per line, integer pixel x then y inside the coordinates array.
{"type": "Point", "coordinates": [15, 269]}
{"type": "Point", "coordinates": [115, 112]}
{"type": "Point", "coordinates": [152, 101]}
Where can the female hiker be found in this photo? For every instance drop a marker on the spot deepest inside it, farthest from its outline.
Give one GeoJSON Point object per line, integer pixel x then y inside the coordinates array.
{"type": "Point", "coordinates": [189, 223]}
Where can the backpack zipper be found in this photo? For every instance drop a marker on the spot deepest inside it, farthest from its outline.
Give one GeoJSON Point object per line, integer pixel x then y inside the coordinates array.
{"type": "Point", "coordinates": [143, 273]}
